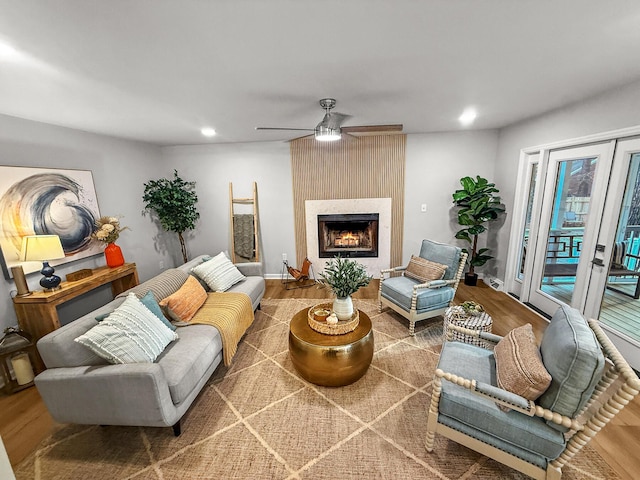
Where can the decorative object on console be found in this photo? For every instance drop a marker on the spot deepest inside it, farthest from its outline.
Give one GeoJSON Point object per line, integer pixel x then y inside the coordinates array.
{"type": "Point", "coordinates": [478, 205]}
{"type": "Point", "coordinates": [79, 274]}
{"type": "Point", "coordinates": [344, 277]}
{"type": "Point", "coordinates": [17, 357]}
{"type": "Point", "coordinates": [174, 203]}
{"type": "Point", "coordinates": [43, 248]}
{"type": "Point", "coordinates": [108, 231]}
{"type": "Point", "coordinates": [20, 281]}
{"type": "Point", "coordinates": [31, 197]}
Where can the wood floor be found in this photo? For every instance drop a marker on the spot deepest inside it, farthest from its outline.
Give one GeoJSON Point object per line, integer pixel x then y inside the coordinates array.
{"type": "Point", "coordinates": [24, 420]}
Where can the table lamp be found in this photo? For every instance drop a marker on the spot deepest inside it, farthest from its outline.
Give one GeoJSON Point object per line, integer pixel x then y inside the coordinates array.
{"type": "Point", "coordinates": [43, 248]}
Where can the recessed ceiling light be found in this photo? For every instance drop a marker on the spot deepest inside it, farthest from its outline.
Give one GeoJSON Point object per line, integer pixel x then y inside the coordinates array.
{"type": "Point", "coordinates": [468, 116]}
{"type": "Point", "coordinates": [208, 132]}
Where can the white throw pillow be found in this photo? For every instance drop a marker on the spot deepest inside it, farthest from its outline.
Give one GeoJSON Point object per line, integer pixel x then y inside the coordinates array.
{"type": "Point", "coordinates": [218, 273]}
{"type": "Point", "coordinates": [130, 334]}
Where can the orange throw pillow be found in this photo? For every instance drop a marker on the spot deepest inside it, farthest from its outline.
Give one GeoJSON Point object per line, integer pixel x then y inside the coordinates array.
{"type": "Point", "coordinates": [182, 305]}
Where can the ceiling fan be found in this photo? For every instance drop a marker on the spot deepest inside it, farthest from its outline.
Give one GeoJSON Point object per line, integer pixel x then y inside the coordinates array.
{"type": "Point", "coordinates": [330, 127]}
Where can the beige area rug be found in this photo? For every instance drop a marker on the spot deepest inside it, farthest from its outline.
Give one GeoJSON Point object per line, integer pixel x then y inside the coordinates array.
{"type": "Point", "coordinates": [258, 420]}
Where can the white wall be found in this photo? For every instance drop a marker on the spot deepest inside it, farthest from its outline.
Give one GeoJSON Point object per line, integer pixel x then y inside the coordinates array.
{"type": "Point", "coordinates": [612, 110]}
{"type": "Point", "coordinates": [213, 167]}
{"type": "Point", "coordinates": [435, 162]}
{"type": "Point", "coordinates": [120, 167]}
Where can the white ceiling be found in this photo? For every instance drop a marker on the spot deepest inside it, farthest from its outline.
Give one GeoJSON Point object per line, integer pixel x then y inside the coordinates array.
{"type": "Point", "coordinates": [159, 70]}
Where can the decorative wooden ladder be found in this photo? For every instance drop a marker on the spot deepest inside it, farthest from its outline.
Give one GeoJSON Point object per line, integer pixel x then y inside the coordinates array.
{"type": "Point", "coordinates": [236, 217]}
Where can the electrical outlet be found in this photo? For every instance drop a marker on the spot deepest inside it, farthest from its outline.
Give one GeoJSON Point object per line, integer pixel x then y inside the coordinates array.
{"type": "Point", "coordinates": [423, 207]}
{"type": "Point", "coordinates": [161, 264]}
{"type": "Point", "coordinates": [284, 257]}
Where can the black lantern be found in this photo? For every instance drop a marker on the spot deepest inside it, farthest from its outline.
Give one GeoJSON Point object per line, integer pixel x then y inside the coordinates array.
{"type": "Point", "coordinates": [17, 357]}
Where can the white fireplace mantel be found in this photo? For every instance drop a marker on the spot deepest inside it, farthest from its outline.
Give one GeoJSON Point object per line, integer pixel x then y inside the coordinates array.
{"type": "Point", "coordinates": [381, 206]}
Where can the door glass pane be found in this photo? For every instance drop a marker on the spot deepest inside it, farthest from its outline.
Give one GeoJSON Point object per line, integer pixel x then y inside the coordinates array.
{"type": "Point", "coordinates": [572, 196]}
{"type": "Point", "coordinates": [527, 220]}
{"type": "Point", "coordinates": [620, 308]}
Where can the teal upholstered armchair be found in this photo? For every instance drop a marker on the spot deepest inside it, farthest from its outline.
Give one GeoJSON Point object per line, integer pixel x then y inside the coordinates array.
{"type": "Point", "coordinates": [424, 288]}
{"type": "Point", "coordinates": [588, 383]}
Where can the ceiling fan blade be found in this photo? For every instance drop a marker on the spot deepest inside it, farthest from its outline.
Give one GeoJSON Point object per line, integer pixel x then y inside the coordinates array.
{"type": "Point", "coordinates": [333, 120]}
{"type": "Point", "coordinates": [300, 138]}
{"type": "Point", "coordinates": [285, 128]}
{"type": "Point", "coordinates": [397, 127]}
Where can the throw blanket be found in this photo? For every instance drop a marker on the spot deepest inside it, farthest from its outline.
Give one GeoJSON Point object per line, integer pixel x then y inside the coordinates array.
{"type": "Point", "coordinates": [243, 235]}
{"type": "Point", "coordinates": [231, 313]}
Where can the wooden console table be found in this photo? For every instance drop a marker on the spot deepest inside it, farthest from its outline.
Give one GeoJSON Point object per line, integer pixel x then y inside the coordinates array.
{"type": "Point", "coordinates": [37, 313]}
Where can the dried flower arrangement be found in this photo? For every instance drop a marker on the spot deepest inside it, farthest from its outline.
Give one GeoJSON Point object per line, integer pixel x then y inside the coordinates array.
{"type": "Point", "coordinates": [107, 229]}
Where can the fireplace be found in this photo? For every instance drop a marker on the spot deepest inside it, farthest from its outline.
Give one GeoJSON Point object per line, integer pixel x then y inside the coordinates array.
{"type": "Point", "coordinates": [348, 235]}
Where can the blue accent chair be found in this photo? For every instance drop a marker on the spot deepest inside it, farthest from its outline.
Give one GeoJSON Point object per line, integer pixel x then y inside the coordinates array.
{"type": "Point", "coordinates": [419, 301]}
{"type": "Point", "coordinates": [591, 382]}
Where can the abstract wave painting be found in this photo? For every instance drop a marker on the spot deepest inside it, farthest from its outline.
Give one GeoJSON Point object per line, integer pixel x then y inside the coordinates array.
{"type": "Point", "coordinates": [37, 201]}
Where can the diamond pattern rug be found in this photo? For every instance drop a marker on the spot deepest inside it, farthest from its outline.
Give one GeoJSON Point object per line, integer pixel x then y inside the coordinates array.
{"type": "Point", "coordinates": [257, 419]}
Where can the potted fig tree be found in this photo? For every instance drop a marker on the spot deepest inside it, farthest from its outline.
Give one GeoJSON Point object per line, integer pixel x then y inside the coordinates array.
{"type": "Point", "coordinates": [478, 205]}
{"type": "Point", "coordinates": [174, 204]}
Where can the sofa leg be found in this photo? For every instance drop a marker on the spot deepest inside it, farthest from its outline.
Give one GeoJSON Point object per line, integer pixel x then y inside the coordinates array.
{"type": "Point", "coordinates": [176, 429]}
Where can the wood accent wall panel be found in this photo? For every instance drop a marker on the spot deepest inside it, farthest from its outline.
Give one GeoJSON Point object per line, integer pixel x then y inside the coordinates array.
{"type": "Point", "coordinates": [367, 167]}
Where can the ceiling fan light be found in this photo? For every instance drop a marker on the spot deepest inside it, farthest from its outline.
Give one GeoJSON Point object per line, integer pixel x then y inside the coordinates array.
{"type": "Point", "coordinates": [326, 134]}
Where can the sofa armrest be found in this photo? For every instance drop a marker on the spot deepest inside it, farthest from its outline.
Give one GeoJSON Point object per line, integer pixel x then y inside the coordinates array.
{"type": "Point", "coordinates": [132, 394]}
{"type": "Point", "coordinates": [250, 269]}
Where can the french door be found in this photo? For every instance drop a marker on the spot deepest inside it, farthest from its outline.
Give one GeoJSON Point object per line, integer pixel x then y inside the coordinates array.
{"type": "Point", "coordinates": [580, 239]}
{"type": "Point", "coordinates": [613, 292]}
{"type": "Point", "coordinates": [565, 239]}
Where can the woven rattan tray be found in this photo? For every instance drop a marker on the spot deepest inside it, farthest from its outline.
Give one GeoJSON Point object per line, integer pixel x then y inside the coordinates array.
{"type": "Point", "coordinates": [340, 328]}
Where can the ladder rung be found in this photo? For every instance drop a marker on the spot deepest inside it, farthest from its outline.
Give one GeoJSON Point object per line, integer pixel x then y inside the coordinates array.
{"type": "Point", "coordinates": [242, 200]}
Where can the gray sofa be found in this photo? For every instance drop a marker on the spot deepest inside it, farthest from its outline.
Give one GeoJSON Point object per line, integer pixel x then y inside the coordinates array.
{"type": "Point", "coordinates": [80, 387]}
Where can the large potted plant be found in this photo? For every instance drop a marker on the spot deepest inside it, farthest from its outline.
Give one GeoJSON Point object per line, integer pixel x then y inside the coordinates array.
{"type": "Point", "coordinates": [174, 203]}
{"type": "Point", "coordinates": [478, 205]}
{"type": "Point", "coordinates": [344, 277]}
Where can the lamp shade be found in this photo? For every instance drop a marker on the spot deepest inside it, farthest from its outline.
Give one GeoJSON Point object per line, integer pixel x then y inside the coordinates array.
{"type": "Point", "coordinates": [41, 248]}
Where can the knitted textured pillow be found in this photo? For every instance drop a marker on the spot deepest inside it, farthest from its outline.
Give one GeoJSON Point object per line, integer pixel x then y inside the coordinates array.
{"type": "Point", "coordinates": [219, 273]}
{"type": "Point", "coordinates": [424, 270]}
{"type": "Point", "coordinates": [519, 367]}
{"type": "Point", "coordinates": [131, 334]}
{"type": "Point", "coordinates": [183, 305]}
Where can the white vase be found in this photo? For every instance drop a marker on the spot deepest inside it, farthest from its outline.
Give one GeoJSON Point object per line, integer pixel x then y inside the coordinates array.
{"type": "Point", "coordinates": [343, 308]}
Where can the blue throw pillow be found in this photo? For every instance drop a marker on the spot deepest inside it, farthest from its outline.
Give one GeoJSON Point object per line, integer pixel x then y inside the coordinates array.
{"type": "Point", "coordinates": [149, 301]}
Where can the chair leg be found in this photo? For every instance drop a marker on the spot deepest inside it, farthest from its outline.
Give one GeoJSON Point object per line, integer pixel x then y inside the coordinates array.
{"type": "Point", "coordinates": [412, 327]}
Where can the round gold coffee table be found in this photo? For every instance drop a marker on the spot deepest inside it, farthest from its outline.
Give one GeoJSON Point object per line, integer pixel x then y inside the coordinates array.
{"type": "Point", "coordinates": [330, 360]}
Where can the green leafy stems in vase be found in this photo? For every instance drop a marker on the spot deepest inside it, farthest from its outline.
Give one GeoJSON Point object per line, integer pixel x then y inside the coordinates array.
{"type": "Point", "coordinates": [108, 231]}
{"type": "Point", "coordinates": [344, 277]}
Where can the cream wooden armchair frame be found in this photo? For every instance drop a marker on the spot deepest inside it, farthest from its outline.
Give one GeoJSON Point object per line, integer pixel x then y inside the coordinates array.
{"type": "Point", "coordinates": [419, 301]}
{"type": "Point", "coordinates": [617, 386]}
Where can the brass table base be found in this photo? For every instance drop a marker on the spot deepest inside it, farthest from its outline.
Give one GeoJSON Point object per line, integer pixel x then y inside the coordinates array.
{"type": "Point", "coordinates": [330, 360]}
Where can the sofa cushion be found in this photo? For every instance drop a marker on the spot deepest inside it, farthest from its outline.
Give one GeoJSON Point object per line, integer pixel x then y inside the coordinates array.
{"type": "Point", "coordinates": [400, 289]}
{"type": "Point", "coordinates": [572, 355]}
{"type": "Point", "coordinates": [131, 334]}
{"type": "Point", "coordinates": [481, 415]}
{"type": "Point", "coordinates": [219, 273]}
{"type": "Point", "coordinates": [519, 367]}
{"type": "Point", "coordinates": [448, 255]}
{"type": "Point", "coordinates": [182, 305]}
{"type": "Point", "coordinates": [162, 285]}
{"type": "Point", "coordinates": [424, 270]}
{"type": "Point", "coordinates": [185, 362]}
